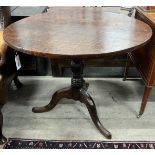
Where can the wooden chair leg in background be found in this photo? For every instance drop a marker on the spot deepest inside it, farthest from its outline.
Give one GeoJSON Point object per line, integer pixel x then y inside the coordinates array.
{"type": "Point", "coordinates": [56, 69]}
{"type": "Point", "coordinates": [146, 94]}
{"type": "Point", "coordinates": [17, 82]}
{"type": "Point", "coordinates": [126, 69]}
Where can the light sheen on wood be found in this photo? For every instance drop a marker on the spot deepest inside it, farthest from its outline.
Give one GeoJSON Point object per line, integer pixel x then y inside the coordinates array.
{"type": "Point", "coordinates": [68, 32]}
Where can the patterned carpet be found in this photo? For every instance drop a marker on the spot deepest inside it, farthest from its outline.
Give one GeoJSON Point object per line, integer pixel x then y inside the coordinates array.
{"type": "Point", "coordinates": [52, 144]}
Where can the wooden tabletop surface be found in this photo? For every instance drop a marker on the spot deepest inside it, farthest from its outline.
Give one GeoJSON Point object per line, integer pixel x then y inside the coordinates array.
{"type": "Point", "coordinates": [77, 32]}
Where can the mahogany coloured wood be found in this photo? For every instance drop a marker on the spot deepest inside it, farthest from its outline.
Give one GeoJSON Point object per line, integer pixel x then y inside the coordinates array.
{"type": "Point", "coordinates": [147, 8]}
{"type": "Point", "coordinates": [77, 91]}
{"type": "Point", "coordinates": [77, 33]}
{"type": "Point", "coordinates": [147, 62]}
{"type": "Point", "coordinates": [144, 58]}
{"type": "Point", "coordinates": [68, 32]}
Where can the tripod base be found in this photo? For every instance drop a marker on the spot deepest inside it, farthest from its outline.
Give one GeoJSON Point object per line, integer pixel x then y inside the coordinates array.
{"type": "Point", "coordinates": [77, 91]}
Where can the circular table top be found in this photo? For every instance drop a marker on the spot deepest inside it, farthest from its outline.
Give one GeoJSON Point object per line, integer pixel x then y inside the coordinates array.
{"type": "Point", "coordinates": [77, 32]}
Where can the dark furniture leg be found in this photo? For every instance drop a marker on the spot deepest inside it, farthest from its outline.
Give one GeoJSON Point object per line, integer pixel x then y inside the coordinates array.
{"type": "Point", "coordinates": [126, 69]}
{"type": "Point", "coordinates": [144, 100]}
{"type": "Point", "coordinates": [2, 138]}
{"type": "Point", "coordinates": [77, 91]}
{"type": "Point", "coordinates": [17, 82]}
{"type": "Point", "coordinates": [146, 91]}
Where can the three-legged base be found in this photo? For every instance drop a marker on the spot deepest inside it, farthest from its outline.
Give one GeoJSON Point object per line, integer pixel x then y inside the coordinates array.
{"type": "Point", "coordinates": [77, 91]}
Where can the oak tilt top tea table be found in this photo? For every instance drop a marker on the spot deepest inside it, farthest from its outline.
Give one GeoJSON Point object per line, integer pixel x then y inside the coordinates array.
{"type": "Point", "coordinates": [78, 34]}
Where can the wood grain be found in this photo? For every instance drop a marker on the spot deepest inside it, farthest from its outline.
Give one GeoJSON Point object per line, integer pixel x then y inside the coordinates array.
{"type": "Point", "coordinates": [71, 32]}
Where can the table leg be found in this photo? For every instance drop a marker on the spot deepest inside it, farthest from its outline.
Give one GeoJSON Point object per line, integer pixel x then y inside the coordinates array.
{"type": "Point", "coordinates": [77, 91]}
{"type": "Point", "coordinates": [57, 96]}
{"type": "Point", "coordinates": [17, 82]}
{"type": "Point", "coordinates": [126, 69]}
{"type": "Point", "coordinates": [146, 94]}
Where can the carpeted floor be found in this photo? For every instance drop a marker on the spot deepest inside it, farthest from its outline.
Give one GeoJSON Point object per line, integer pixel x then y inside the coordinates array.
{"type": "Point", "coordinates": [117, 102]}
